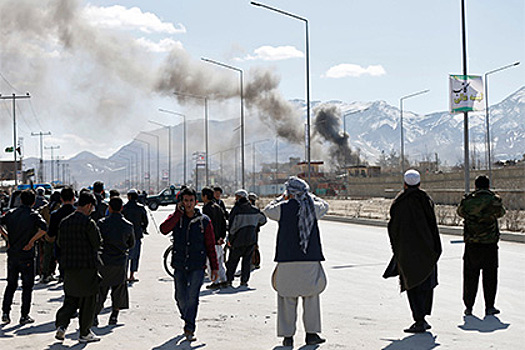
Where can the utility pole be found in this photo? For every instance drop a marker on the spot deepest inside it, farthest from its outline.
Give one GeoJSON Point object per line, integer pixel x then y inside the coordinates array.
{"type": "Point", "coordinates": [41, 171]}
{"type": "Point", "coordinates": [52, 148]}
{"type": "Point", "coordinates": [14, 97]}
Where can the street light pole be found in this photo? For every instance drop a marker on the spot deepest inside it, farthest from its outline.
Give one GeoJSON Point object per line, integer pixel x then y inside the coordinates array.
{"type": "Point", "coordinates": [401, 125]}
{"type": "Point", "coordinates": [307, 49]}
{"type": "Point", "coordinates": [158, 163]}
{"type": "Point", "coordinates": [242, 108]}
{"type": "Point", "coordinates": [168, 128]}
{"type": "Point", "coordinates": [465, 114]}
{"type": "Point", "coordinates": [15, 97]}
{"type": "Point", "coordinates": [149, 162]}
{"type": "Point", "coordinates": [184, 137]}
{"type": "Point", "coordinates": [344, 126]}
{"type": "Point", "coordinates": [206, 132]}
{"type": "Point", "coordinates": [41, 170]}
{"type": "Point", "coordinates": [52, 148]}
{"type": "Point", "coordinates": [487, 136]}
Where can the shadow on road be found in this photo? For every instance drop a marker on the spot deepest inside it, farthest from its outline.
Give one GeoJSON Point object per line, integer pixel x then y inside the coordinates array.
{"type": "Point", "coordinates": [61, 346]}
{"type": "Point", "coordinates": [423, 341]}
{"type": "Point", "coordinates": [486, 325]}
{"type": "Point", "coordinates": [178, 343]}
{"type": "Point", "coordinates": [37, 329]}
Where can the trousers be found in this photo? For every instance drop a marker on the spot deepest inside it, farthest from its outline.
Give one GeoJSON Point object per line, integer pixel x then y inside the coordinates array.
{"type": "Point", "coordinates": [480, 257]}
{"type": "Point", "coordinates": [287, 315]}
{"type": "Point", "coordinates": [25, 269]}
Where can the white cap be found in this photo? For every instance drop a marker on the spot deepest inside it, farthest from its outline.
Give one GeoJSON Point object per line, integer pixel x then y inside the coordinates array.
{"type": "Point", "coordinates": [242, 193]}
{"type": "Point", "coordinates": [132, 191]}
{"type": "Point", "coordinates": [412, 177]}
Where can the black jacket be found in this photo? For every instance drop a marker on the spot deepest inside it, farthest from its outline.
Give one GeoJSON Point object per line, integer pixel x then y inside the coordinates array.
{"type": "Point", "coordinates": [117, 237]}
{"type": "Point", "coordinates": [101, 208]}
{"type": "Point", "coordinates": [244, 220]}
{"type": "Point", "coordinates": [136, 214]}
{"type": "Point", "coordinates": [414, 236]}
{"type": "Point", "coordinates": [22, 224]}
{"type": "Point", "coordinates": [218, 219]}
{"type": "Point", "coordinates": [79, 240]}
{"type": "Point", "coordinates": [56, 218]}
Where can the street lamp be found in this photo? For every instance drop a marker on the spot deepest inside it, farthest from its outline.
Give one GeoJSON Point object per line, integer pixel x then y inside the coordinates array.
{"type": "Point", "coordinates": [242, 108]}
{"type": "Point", "coordinates": [401, 124]}
{"type": "Point", "coordinates": [168, 127]}
{"type": "Point", "coordinates": [487, 136]}
{"type": "Point", "coordinates": [205, 98]}
{"type": "Point", "coordinates": [149, 163]}
{"type": "Point", "coordinates": [307, 49]}
{"type": "Point", "coordinates": [253, 160]}
{"type": "Point", "coordinates": [184, 132]}
{"type": "Point", "coordinates": [158, 163]}
{"type": "Point", "coordinates": [344, 125]}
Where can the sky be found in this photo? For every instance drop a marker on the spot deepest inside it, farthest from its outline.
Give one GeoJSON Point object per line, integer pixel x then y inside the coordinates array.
{"type": "Point", "coordinates": [97, 71]}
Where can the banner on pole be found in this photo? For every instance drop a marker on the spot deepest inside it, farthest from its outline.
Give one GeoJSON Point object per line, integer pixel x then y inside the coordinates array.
{"type": "Point", "coordinates": [466, 93]}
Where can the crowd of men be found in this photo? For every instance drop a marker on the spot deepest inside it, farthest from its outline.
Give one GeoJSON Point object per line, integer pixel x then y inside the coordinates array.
{"type": "Point", "coordinates": [96, 246]}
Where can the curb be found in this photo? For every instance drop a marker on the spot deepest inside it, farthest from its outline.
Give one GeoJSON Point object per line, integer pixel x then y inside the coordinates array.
{"type": "Point", "coordinates": [447, 230]}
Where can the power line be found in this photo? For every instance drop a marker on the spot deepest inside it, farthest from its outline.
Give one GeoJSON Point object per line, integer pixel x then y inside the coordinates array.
{"type": "Point", "coordinates": [8, 83]}
{"type": "Point", "coordinates": [34, 114]}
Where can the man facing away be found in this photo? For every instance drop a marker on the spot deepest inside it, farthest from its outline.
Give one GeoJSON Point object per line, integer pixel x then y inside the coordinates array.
{"type": "Point", "coordinates": [481, 210]}
{"type": "Point", "coordinates": [117, 238]}
{"type": "Point", "coordinates": [298, 253]}
{"type": "Point", "coordinates": [416, 245]}
{"type": "Point", "coordinates": [24, 227]}
{"type": "Point", "coordinates": [218, 221]}
{"type": "Point", "coordinates": [79, 240]}
{"type": "Point", "coordinates": [67, 196]}
{"type": "Point", "coordinates": [244, 221]}
{"type": "Point", "coordinates": [101, 206]}
{"type": "Point", "coordinates": [135, 213]}
{"type": "Point", "coordinates": [193, 241]}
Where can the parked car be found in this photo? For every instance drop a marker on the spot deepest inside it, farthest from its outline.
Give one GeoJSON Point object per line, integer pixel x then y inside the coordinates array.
{"type": "Point", "coordinates": [167, 196]}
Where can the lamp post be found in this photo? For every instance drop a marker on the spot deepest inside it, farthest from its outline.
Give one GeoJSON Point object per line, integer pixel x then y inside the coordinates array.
{"type": "Point", "coordinates": [134, 154]}
{"type": "Point", "coordinates": [307, 49]}
{"type": "Point", "coordinates": [206, 132]}
{"type": "Point", "coordinates": [158, 163]}
{"type": "Point", "coordinates": [168, 128]}
{"type": "Point", "coordinates": [52, 148]}
{"type": "Point", "coordinates": [149, 162]}
{"type": "Point", "coordinates": [344, 125]}
{"type": "Point", "coordinates": [15, 97]}
{"type": "Point", "coordinates": [42, 168]}
{"type": "Point", "coordinates": [184, 137]}
{"type": "Point", "coordinates": [253, 160]}
{"type": "Point", "coordinates": [129, 169]}
{"type": "Point", "coordinates": [401, 124]}
{"type": "Point", "coordinates": [242, 108]}
{"type": "Point", "coordinates": [487, 136]}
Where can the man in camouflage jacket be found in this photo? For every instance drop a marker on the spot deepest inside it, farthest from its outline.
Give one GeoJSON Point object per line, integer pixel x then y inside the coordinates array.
{"type": "Point", "coordinates": [481, 210]}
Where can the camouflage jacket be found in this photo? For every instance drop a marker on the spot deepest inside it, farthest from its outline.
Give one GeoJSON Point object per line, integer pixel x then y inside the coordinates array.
{"type": "Point", "coordinates": [481, 210]}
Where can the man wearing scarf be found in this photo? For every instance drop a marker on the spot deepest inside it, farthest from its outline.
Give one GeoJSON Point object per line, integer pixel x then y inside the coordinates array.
{"type": "Point", "coordinates": [298, 254]}
{"type": "Point", "coordinates": [416, 245]}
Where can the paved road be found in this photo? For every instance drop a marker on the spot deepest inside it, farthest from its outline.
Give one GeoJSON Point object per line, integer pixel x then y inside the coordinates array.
{"type": "Point", "coordinates": [360, 309]}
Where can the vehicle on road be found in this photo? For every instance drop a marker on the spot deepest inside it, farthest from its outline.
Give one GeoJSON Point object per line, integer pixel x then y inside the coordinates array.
{"type": "Point", "coordinates": [167, 196]}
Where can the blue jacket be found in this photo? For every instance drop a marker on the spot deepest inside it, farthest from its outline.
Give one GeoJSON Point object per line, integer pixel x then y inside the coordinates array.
{"type": "Point", "coordinates": [193, 240]}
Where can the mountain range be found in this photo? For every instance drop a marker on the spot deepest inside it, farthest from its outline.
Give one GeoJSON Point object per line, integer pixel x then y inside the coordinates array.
{"type": "Point", "coordinates": [373, 128]}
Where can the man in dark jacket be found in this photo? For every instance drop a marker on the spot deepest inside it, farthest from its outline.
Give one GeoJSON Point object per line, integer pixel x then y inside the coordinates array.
{"type": "Point", "coordinates": [24, 227]}
{"type": "Point", "coordinates": [416, 245]}
{"type": "Point", "coordinates": [193, 241]}
{"type": "Point", "coordinates": [79, 240]}
{"type": "Point", "coordinates": [217, 193]}
{"type": "Point", "coordinates": [244, 220]}
{"type": "Point", "coordinates": [67, 196]}
{"type": "Point", "coordinates": [135, 213]}
{"type": "Point", "coordinates": [117, 238]}
{"type": "Point", "coordinates": [101, 206]}
{"type": "Point", "coordinates": [481, 210]}
{"type": "Point", "coordinates": [218, 221]}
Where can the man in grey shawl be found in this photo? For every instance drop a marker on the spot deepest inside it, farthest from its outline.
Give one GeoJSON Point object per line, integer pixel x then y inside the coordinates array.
{"type": "Point", "coordinates": [298, 254]}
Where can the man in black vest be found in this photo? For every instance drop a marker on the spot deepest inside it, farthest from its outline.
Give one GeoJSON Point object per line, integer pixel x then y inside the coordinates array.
{"type": "Point", "coordinates": [79, 240]}
{"type": "Point", "coordinates": [135, 213]}
{"type": "Point", "coordinates": [24, 227]}
{"type": "Point", "coordinates": [117, 237]}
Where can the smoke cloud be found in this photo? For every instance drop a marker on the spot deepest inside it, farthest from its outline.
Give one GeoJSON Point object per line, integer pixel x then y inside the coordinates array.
{"type": "Point", "coordinates": [328, 126]}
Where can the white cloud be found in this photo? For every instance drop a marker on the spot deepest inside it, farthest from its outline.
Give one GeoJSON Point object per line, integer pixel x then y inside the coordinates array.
{"type": "Point", "coordinates": [270, 53]}
{"type": "Point", "coordinates": [353, 70]}
{"type": "Point", "coordinates": [164, 45]}
{"type": "Point", "coordinates": [133, 18]}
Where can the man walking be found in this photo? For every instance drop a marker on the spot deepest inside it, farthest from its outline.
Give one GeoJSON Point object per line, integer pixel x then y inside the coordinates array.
{"type": "Point", "coordinates": [135, 213]}
{"type": "Point", "coordinates": [481, 210]}
{"type": "Point", "coordinates": [244, 221]}
{"type": "Point", "coordinates": [101, 206]}
{"type": "Point", "coordinates": [117, 238]}
{"type": "Point", "coordinates": [79, 240]}
{"type": "Point", "coordinates": [416, 245]}
{"type": "Point", "coordinates": [218, 221]}
{"type": "Point", "coordinates": [193, 241]}
{"type": "Point", "coordinates": [24, 227]}
{"type": "Point", "coordinates": [298, 254]}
